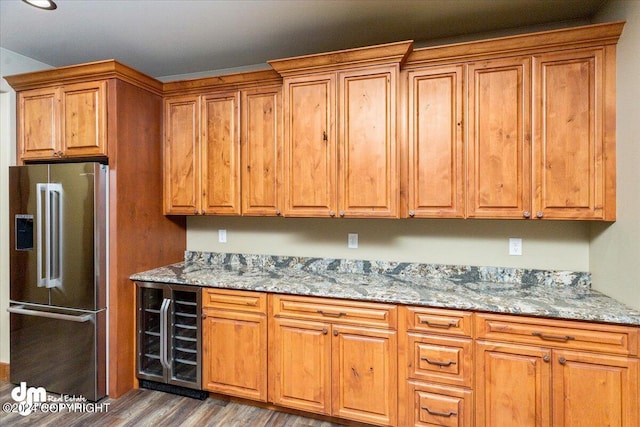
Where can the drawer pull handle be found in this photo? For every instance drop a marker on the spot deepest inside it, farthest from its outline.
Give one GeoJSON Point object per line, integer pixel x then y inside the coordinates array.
{"type": "Point", "coordinates": [437, 362]}
{"type": "Point", "coordinates": [563, 338]}
{"type": "Point", "coordinates": [438, 324]}
{"type": "Point", "coordinates": [330, 314]}
{"type": "Point", "coordinates": [438, 413]}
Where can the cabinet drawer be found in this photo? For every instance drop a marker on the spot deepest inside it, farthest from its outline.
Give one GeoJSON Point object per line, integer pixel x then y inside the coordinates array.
{"type": "Point", "coordinates": [440, 359]}
{"type": "Point", "coordinates": [435, 405]}
{"type": "Point", "coordinates": [226, 299]}
{"type": "Point", "coordinates": [336, 311]}
{"type": "Point", "coordinates": [558, 333]}
{"type": "Point", "coordinates": [438, 321]}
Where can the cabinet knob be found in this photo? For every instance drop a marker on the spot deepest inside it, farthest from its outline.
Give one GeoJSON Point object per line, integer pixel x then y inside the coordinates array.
{"type": "Point", "coordinates": [335, 332]}
{"type": "Point", "coordinates": [332, 213]}
{"type": "Point", "coordinates": [539, 214]}
{"type": "Point", "coordinates": [526, 214]}
{"type": "Point", "coordinates": [278, 213]}
{"type": "Point", "coordinates": [546, 358]}
{"type": "Point", "coordinates": [412, 213]}
{"type": "Point", "coordinates": [195, 212]}
{"type": "Point", "coordinates": [324, 331]}
{"type": "Point", "coordinates": [325, 138]}
{"type": "Point", "coordinates": [204, 315]}
{"type": "Point", "coordinates": [342, 214]}
{"type": "Point", "coordinates": [562, 360]}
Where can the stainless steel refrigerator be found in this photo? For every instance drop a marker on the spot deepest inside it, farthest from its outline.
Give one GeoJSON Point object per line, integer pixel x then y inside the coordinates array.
{"type": "Point", "coordinates": [58, 277]}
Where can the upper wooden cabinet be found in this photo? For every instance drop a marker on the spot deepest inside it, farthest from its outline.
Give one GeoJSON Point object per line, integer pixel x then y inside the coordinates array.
{"type": "Point", "coordinates": [538, 119]}
{"type": "Point", "coordinates": [341, 150]}
{"type": "Point", "coordinates": [202, 154]}
{"type": "Point", "coordinates": [435, 142]}
{"type": "Point", "coordinates": [574, 147]}
{"type": "Point", "coordinates": [499, 161]}
{"type": "Point", "coordinates": [204, 136]}
{"type": "Point", "coordinates": [261, 150]}
{"type": "Point", "coordinates": [67, 121]}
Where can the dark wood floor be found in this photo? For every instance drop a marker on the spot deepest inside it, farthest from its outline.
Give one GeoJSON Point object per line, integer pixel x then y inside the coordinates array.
{"type": "Point", "coordinates": [154, 408]}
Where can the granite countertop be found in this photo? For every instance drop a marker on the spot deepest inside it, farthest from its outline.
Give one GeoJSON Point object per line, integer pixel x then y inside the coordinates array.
{"type": "Point", "coordinates": [555, 294]}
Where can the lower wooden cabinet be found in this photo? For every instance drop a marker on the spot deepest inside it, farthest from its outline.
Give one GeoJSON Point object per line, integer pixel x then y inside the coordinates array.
{"type": "Point", "coordinates": [300, 365]}
{"type": "Point", "coordinates": [334, 367]}
{"type": "Point", "coordinates": [436, 369]}
{"type": "Point", "coordinates": [385, 365]}
{"type": "Point", "coordinates": [433, 405]}
{"type": "Point", "coordinates": [555, 383]}
{"type": "Point", "coordinates": [234, 337]}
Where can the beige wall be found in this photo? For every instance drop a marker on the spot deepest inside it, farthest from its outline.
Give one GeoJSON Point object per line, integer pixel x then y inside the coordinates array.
{"type": "Point", "coordinates": [615, 250]}
{"type": "Point", "coordinates": [10, 63]}
{"type": "Point", "coordinates": [546, 245]}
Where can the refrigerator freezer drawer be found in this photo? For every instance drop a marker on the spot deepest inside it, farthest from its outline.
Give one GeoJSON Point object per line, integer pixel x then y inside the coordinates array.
{"type": "Point", "coordinates": [58, 350]}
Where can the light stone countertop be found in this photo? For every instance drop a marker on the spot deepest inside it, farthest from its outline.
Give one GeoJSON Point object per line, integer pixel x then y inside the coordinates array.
{"type": "Point", "coordinates": [554, 294]}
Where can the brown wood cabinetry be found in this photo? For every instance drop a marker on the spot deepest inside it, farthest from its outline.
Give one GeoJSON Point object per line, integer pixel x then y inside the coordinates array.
{"type": "Point", "coordinates": [222, 140]}
{"type": "Point", "coordinates": [499, 160]}
{"type": "Point", "coordinates": [334, 357]}
{"type": "Point", "coordinates": [261, 150]}
{"type": "Point", "coordinates": [538, 115]}
{"type": "Point", "coordinates": [573, 155]}
{"type": "Point", "coordinates": [435, 142]}
{"type": "Point", "coordinates": [435, 367]}
{"type": "Point", "coordinates": [234, 339]}
{"type": "Point", "coordinates": [341, 150]}
{"type": "Point", "coordinates": [534, 372]}
{"type": "Point", "coordinates": [202, 154]}
{"type": "Point", "coordinates": [67, 121]}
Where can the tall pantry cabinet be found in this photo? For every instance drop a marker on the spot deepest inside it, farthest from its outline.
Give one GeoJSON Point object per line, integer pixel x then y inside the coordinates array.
{"type": "Point", "coordinates": [108, 112]}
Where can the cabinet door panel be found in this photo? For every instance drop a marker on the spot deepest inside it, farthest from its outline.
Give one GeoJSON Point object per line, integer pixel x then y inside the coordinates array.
{"type": "Point", "coordinates": [84, 119]}
{"type": "Point", "coordinates": [182, 156]}
{"type": "Point", "coordinates": [594, 390]}
{"type": "Point", "coordinates": [310, 146]}
{"type": "Point", "coordinates": [221, 154]}
{"type": "Point", "coordinates": [367, 155]}
{"type": "Point", "coordinates": [300, 365]}
{"type": "Point", "coordinates": [513, 386]}
{"type": "Point", "coordinates": [568, 134]}
{"type": "Point", "coordinates": [38, 132]}
{"type": "Point", "coordinates": [436, 176]}
{"type": "Point", "coordinates": [364, 368]}
{"type": "Point", "coordinates": [499, 170]}
{"type": "Point", "coordinates": [234, 354]}
{"type": "Point", "coordinates": [261, 151]}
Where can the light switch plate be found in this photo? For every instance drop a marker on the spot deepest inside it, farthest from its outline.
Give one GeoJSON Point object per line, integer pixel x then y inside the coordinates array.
{"type": "Point", "coordinates": [352, 241]}
{"type": "Point", "coordinates": [222, 236]}
{"type": "Point", "coordinates": [515, 246]}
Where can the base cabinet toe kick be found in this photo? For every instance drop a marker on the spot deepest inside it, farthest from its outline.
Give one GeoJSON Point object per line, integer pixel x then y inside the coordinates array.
{"type": "Point", "coordinates": [393, 365]}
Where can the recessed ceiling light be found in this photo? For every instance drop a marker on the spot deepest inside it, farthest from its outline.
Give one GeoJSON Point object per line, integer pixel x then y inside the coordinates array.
{"type": "Point", "coordinates": [42, 4]}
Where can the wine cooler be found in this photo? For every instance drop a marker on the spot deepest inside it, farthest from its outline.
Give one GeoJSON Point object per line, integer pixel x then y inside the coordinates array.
{"type": "Point", "coordinates": [169, 337]}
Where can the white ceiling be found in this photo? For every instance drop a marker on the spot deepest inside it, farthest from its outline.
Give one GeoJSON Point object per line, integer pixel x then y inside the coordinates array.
{"type": "Point", "coordinates": [170, 37]}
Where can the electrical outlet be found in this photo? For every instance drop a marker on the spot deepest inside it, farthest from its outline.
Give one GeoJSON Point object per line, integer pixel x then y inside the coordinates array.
{"type": "Point", "coordinates": [222, 236]}
{"type": "Point", "coordinates": [352, 241]}
{"type": "Point", "coordinates": [515, 246]}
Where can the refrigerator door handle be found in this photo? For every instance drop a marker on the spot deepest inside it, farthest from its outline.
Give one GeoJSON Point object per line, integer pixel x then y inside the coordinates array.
{"type": "Point", "coordinates": [163, 333]}
{"type": "Point", "coordinates": [19, 309]}
{"type": "Point", "coordinates": [55, 235]}
{"type": "Point", "coordinates": [41, 220]}
{"type": "Point", "coordinates": [49, 234]}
